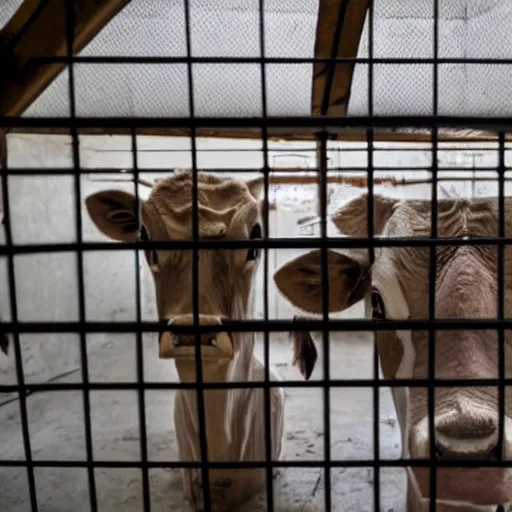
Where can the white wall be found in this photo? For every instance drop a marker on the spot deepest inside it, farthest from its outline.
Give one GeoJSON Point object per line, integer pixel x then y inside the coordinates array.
{"type": "Point", "coordinates": [42, 211]}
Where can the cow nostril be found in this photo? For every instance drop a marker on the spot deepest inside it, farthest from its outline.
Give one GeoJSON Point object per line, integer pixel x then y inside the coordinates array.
{"type": "Point", "coordinates": [466, 428]}
{"type": "Point", "coordinates": [455, 453]}
{"type": "Point", "coordinates": [175, 343]}
{"type": "Point", "coordinates": [438, 451]}
{"type": "Point", "coordinates": [495, 453]}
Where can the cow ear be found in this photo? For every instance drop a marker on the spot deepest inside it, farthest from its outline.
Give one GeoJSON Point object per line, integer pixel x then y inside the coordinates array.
{"type": "Point", "coordinates": [304, 352]}
{"type": "Point", "coordinates": [300, 281]}
{"type": "Point", "coordinates": [352, 219]}
{"type": "Point", "coordinates": [115, 214]}
{"type": "Point", "coordinates": [256, 187]}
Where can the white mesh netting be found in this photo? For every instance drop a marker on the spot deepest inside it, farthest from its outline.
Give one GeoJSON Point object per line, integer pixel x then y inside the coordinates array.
{"type": "Point", "coordinates": [222, 28]}
{"type": "Point", "coordinates": [467, 29]}
{"type": "Point", "coordinates": [230, 28]}
{"type": "Point", "coordinates": [7, 9]}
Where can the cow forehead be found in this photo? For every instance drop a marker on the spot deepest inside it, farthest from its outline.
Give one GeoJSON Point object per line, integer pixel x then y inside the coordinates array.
{"type": "Point", "coordinates": [224, 207]}
{"type": "Point", "coordinates": [455, 218]}
{"type": "Point", "coordinates": [175, 193]}
{"type": "Point", "coordinates": [466, 280]}
{"type": "Point", "coordinates": [411, 265]}
{"type": "Point", "coordinates": [465, 274]}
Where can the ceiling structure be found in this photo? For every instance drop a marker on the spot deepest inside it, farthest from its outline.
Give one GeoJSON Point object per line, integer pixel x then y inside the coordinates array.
{"type": "Point", "coordinates": [224, 29]}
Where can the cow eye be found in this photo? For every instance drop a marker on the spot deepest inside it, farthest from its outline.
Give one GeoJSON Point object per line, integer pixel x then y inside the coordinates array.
{"type": "Point", "coordinates": [143, 234]}
{"type": "Point", "coordinates": [378, 309]}
{"type": "Point", "coordinates": [253, 253]}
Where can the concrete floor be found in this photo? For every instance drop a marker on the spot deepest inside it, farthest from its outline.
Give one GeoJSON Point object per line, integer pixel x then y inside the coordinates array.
{"type": "Point", "coordinates": [57, 432]}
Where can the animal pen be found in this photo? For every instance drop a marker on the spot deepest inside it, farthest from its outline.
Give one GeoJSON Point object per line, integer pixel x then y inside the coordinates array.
{"type": "Point", "coordinates": [186, 184]}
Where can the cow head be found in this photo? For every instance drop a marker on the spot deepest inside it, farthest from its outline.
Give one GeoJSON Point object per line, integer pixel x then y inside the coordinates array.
{"type": "Point", "coordinates": [227, 209]}
{"type": "Point", "coordinates": [466, 418]}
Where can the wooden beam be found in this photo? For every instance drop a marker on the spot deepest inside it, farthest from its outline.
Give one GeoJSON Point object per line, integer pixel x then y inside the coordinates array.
{"type": "Point", "coordinates": [339, 28]}
{"type": "Point", "coordinates": [39, 29]}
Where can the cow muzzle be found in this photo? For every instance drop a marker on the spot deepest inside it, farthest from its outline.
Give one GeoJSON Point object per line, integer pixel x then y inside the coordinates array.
{"type": "Point", "coordinates": [459, 436]}
{"type": "Point", "coordinates": [462, 436]}
{"type": "Point", "coordinates": [180, 341]}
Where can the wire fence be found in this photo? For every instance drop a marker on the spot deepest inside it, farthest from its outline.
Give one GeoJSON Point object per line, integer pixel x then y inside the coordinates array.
{"type": "Point", "coordinates": [323, 126]}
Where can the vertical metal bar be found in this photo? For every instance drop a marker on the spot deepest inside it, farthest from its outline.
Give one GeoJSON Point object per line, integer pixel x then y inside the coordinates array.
{"type": "Point", "coordinates": [266, 345]}
{"type": "Point", "coordinates": [501, 295]}
{"type": "Point", "coordinates": [433, 273]}
{"type": "Point", "coordinates": [70, 38]}
{"type": "Point", "coordinates": [203, 445]}
{"type": "Point", "coordinates": [20, 374]}
{"type": "Point", "coordinates": [371, 251]}
{"type": "Point", "coordinates": [139, 346]}
{"type": "Point", "coordinates": [322, 171]}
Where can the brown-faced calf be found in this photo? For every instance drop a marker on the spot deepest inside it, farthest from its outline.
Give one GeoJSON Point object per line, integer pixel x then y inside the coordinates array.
{"type": "Point", "coordinates": [466, 418]}
{"type": "Point", "coordinates": [227, 209]}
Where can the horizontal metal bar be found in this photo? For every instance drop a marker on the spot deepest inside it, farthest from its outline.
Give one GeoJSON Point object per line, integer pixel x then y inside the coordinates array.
{"type": "Point", "coordinates": [336, 463]}
{"type": "Point", "coordinates": [161, 59]}
{"type": "Point", "coordinates": [127, 171]}
{"type": "Point", "coordinates": [443, 146]}
{"type": "Point", "coordinates": [320, 383]}
{"type": "Point", "coordinates": [322, 123]}
{"type": "Point", "coordinates": [271, 243]}
{"type": "Point", "coordinates": [262, 326]}
{"type": "Point", "coordinates": [414, 146]}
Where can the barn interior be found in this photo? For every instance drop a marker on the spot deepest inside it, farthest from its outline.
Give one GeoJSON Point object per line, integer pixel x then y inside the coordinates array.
{"type": "Point", "coordinates": [121, 108]}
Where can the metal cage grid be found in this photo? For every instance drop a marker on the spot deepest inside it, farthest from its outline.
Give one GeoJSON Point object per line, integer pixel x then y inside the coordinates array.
{"type": "Point", "coordinates": [323, 125]}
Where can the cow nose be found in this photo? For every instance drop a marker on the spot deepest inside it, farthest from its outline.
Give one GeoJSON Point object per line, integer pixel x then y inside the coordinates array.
{"type": "Point", "coordinates": [464, 437]}
{"type": "Point", "coordinates": [178, 343]}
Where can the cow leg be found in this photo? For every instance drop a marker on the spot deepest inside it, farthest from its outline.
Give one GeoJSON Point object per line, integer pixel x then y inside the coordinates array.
{"type": "Point", "coordinates": [185, 434]}
{"type": "Point", "coordinates": [222, 493]}
{"type": "Point", "coordinates": [277, 415]}
{"type": "Point", "coordinates": [276, 410]}
{"type": "Point", "coordinates": [219, 479]}
{"type": "Point", "coordinates": [225, 418]}
{"type": "Point", "coordinates": [229, 487]}
{"type": "Point", "coordinates": [245, 483]}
